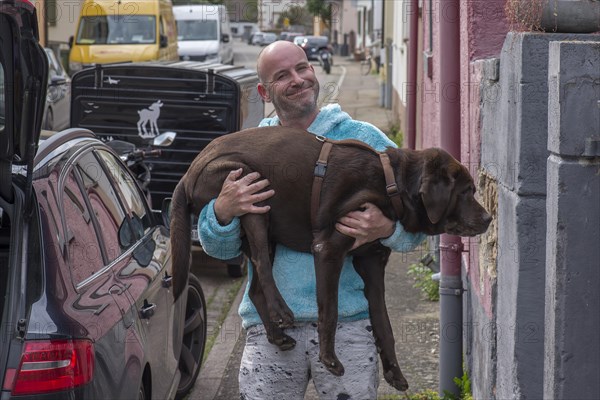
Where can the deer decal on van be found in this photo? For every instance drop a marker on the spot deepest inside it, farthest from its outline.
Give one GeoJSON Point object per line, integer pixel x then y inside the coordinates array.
{"type": "Point", "coordinates": [149, 116]}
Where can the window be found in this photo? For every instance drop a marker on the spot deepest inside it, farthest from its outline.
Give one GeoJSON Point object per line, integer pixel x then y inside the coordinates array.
{"type": "Point", "coordinates": [103, 200]}
{"type": "Point", "coordinates": [83, 249]}
{"type": "Point", "coordinates": [131, 195]}
{"type": "Point", "coordinates": [117, 29]}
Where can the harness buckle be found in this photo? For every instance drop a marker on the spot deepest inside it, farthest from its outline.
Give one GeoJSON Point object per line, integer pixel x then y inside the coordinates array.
{"type": "Point", "coordinates": [321, 138]}
{"type": "Point", "coordinates": [392, 190]}
{"type": "Point", "coordinates": [320, 169]}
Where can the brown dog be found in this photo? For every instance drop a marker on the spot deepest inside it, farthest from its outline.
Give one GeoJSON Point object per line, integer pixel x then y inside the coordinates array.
{"type": "Point", "coordinates": [435, 190]}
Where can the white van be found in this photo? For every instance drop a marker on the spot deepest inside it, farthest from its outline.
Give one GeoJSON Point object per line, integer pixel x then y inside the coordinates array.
{"type": "Point", "coordinates": [204, 33]}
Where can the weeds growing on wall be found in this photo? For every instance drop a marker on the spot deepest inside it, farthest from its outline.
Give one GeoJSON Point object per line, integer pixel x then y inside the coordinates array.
{"type": "Point", "coordinates": [525, 15]}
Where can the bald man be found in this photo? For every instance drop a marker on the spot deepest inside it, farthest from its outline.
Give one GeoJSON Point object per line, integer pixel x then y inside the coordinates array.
{"type": "Point", "coordinates": [288, 80]}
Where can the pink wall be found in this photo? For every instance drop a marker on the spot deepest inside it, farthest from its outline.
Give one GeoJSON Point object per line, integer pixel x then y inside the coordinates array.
{"type": "Point", "coordinates": [483, 28]}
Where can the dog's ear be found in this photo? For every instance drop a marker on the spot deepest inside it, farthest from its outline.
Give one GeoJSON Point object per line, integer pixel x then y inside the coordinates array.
{"type": "Point", "coordinates": [435, 191]}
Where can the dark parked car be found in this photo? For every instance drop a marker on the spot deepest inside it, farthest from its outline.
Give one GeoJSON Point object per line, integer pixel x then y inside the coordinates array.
{"type": "Point", "coordinates": [86, 306]}
{"type": "Point", "coordinates": [313, 45]}
{"type": "Point", "coordinates": [58, 97]}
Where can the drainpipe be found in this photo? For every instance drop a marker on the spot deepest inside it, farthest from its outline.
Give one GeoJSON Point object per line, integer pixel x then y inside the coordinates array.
{"type": "Point", "coordinates": [411, 92]}
{"type": "Point", "coordinates": [450, 246]}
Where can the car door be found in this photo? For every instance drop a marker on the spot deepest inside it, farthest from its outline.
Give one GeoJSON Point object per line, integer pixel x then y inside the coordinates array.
{"type": "Point", "coordinates": [148, 279]}
{"type": "Point", "coordinates": [93, 217]}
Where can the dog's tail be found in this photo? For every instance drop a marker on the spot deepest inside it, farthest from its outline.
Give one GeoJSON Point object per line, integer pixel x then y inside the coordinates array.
{"type": "Point", "coordinates": [181, 240]}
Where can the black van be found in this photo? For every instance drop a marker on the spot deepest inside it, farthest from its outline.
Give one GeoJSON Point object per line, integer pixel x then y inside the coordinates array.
{"type": "Point", "coordinates": [137, 101]}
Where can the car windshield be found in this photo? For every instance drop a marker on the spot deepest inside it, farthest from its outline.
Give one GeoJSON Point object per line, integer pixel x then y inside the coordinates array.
{"type": "Point", "coordinates": [317, 41]}
{"type": "Point", "coordinates": [197, 30]}
{"type": "Point", "coordinates": [115, 29]}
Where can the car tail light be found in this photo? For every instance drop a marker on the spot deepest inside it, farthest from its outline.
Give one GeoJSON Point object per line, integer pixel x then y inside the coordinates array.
{"type": "Point", "coordinates": [54, 365]}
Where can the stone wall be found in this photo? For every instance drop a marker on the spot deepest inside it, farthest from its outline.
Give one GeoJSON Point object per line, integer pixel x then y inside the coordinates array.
{"type": "Point", "coordinates": [509, 333]}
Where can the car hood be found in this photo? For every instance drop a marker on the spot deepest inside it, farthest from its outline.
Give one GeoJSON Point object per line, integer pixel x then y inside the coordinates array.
{"type": "Point", "coordinates": [197, 47]}
{"type": "Point", "coordinates": [112, 53]}
{"type": "Point", "coordinates": [25, 75]}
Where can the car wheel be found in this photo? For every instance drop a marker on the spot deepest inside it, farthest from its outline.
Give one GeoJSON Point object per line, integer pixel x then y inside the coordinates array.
{"type": "Point", "coordinates": [237, 270]}
{"type": "Point", "coordinates": [48, 121]}
{"type": "Point", "coordinates": [194, 337]}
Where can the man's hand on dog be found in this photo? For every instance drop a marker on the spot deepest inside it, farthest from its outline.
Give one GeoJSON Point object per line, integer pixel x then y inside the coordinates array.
{"type": "Point", "coordinates": [238, 196]}
{"type": "Point", "coordinates": [366, 225]}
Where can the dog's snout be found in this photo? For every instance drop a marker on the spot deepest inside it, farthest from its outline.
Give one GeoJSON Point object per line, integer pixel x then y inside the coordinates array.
{"type": "Point", "coordinates": [487, 218]}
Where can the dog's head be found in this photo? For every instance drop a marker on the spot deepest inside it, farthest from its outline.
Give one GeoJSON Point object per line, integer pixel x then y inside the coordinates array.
{"type": "Point", "coordinates": [447, 192]}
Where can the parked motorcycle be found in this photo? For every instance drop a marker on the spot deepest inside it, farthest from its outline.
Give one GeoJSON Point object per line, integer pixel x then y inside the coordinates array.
{"type": "Point", "coordinates": [135, 158]}
{"type": "Point", "coordinates": [325, 60]}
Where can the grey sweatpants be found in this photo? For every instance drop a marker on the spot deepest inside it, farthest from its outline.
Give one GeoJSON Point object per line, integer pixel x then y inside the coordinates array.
{"type": "Point", "coordinates": [267, 373]}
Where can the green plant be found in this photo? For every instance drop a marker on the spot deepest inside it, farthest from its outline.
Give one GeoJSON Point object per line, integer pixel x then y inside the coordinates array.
{"type": "Point", "coordinates": [395, 134]}
{"type": "Point", "coordinates": [424, 395]}
{"type": "Point", "coordinates": [422, 277]}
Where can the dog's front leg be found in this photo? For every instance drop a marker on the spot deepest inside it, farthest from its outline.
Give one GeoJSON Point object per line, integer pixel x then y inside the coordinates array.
{"type": "Point", "coordinates": [371, 267]}
{"type": "Point", "coordinates": [275, 334]}
{"type": "Point", "coordinates": [256, 228]}
{"type": "Point", "coordinates": [329, 256]}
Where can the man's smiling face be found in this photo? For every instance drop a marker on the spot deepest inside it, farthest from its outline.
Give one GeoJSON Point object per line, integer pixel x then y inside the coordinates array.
{"type": "Point", "coordinates": [288, 80]}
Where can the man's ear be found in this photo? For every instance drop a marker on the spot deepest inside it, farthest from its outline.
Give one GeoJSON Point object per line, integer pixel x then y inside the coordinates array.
{"type": "Point", "coordinates": [263, 92]}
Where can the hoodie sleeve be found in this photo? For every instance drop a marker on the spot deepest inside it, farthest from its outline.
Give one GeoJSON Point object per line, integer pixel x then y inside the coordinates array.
{"type": "Point", "coordinates": [222, 242]}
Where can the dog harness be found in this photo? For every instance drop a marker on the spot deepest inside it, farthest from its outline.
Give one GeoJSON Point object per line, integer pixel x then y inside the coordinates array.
{"type": "Point", "coordinates": [391, 187]}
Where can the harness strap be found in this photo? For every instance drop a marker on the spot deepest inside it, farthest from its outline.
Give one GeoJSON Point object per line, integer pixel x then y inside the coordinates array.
{"type": "Point", "coordinates": [321, 168]}
{"type": "Point", "coordinates": [391, 187]}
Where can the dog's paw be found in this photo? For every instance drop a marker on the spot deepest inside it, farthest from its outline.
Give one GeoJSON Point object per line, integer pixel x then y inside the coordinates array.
{"type": "Point", "coordinates": [278, 338]}
{"type": "Point", "coordinates": [332, 364]}
{"type": "Point", "coordinates": [395, 378]}
{"type": "Point", "coordinates": [282, 316]}
{"type": "Point", "coordinates": [285, 342]}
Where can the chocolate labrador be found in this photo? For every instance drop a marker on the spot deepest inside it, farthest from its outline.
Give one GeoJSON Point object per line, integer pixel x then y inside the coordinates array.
{"type": "Point", "coordinates": [317, 181]}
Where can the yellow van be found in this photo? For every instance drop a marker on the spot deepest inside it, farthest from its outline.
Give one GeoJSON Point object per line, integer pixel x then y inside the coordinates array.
{"type": "Point", "coordinates": [123, 30]}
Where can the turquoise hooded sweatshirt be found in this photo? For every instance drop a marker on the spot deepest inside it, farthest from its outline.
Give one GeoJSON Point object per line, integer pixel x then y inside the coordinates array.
{"type": "Point", "coordinates": [294, 272]}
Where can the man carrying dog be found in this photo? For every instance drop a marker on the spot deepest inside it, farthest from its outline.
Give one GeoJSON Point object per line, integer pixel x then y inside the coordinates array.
{"type": "Point", "coordinates": [288, 80]}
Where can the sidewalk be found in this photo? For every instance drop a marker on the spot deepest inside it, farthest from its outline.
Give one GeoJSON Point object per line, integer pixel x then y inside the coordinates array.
{"type": "Point", "coordinates": [414, 320]}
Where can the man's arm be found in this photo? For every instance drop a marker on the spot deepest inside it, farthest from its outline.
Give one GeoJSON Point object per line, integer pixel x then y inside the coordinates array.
{"type": "Point", "coordinates": [370, 224]}
{"type": "Point", "coordinates": [219, 224]}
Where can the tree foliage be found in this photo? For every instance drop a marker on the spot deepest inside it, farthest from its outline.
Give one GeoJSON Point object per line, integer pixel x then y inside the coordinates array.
{"type": "Point", "coordinates": [322, 9]}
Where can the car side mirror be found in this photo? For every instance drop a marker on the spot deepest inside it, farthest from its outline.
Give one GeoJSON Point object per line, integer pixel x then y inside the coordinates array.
{"type": "Point", "coordinates": [70, 41]}
{"type": "Point", "coordinates": [225, 38]}
{"type": "Point", "coordinates": [57, 81]}
{"type": "Point", "coordinates": [164, 41]}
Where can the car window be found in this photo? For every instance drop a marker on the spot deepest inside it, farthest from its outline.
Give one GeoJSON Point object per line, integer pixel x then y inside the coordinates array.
{"type": "Point", "coordinates": [117, 29]}
{"type": "Point", "coordinates": [104, 202]}
{"type": "Point", "coordinates": [83, 249]}
{"type": "Point", "coordinates": [130, 193]}
{"type": "Point", "coordinates": [197, 29]}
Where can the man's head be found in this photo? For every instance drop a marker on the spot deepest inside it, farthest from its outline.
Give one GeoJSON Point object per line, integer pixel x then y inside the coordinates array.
{"type": "Point", "coordinates": [288, 80]}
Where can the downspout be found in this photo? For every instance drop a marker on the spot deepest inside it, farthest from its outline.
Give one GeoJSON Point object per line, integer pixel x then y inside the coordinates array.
{"type": "Point", "coordinates": [450, 246]}
{"type": "Point", "coordinates": [411, 92]}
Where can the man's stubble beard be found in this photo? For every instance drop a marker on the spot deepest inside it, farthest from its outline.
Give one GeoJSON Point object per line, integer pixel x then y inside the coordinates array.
{"type": "Point", "coordinates": [291, 110]}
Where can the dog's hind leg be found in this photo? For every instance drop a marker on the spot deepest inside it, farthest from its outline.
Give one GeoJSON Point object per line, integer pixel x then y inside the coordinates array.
{"type": "Point", "coordinates": [371, 268]}
{"type": "Point", "coordinates": [329, 256]}
{"type": "Point", "coordinates": [256, 229]}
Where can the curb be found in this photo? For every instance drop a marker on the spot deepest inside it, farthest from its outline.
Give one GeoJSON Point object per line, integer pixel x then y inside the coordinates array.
{"type": "Point", "coordinates": [213, 368]}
